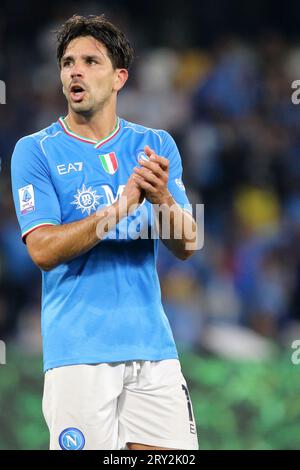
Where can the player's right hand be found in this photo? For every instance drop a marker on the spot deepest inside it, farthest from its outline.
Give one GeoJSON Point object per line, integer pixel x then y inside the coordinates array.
{"type": "Point", "coordinates": [132, 194]}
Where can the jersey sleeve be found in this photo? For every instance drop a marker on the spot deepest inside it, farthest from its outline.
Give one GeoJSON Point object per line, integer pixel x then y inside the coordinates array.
{"type": "Point", "coordinates": [35, 198]}
{"type": "Point", "coordinates": [176, 187]}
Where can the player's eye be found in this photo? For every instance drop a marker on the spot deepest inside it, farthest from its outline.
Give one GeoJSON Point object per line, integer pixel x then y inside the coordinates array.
{"type": "Point", "coordinates": [66, 63]}
{"type": "Point", "coordinates": [91, 61]}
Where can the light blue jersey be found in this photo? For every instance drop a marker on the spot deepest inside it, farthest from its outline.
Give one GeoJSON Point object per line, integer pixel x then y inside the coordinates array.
{"type": "Point", "coordinates": [105, 305]}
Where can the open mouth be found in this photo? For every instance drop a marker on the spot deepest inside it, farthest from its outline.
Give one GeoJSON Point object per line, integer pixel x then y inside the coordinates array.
{"type": "Point", "coordinates": [77, 92]}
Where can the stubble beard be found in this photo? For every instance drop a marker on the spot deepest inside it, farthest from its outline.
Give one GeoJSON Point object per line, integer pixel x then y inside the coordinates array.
{"type": "Point", "coordinates": [84, 109]}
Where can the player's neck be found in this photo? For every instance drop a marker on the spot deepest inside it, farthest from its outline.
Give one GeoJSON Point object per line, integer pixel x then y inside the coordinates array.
{"type": "Point", "coordinates": [96, 127]}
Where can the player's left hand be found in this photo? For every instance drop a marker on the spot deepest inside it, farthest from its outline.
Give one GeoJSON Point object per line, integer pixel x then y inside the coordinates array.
{"type": "Point", "coordinates": [153, 177]}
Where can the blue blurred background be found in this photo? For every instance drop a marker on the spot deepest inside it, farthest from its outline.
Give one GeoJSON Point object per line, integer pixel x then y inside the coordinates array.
{"type": "Point", "coordinates": [217, 76]}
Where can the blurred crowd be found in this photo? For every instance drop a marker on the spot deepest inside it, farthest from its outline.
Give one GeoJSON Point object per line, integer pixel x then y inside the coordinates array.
{"type": "Point", "coordinates": [228, 106]}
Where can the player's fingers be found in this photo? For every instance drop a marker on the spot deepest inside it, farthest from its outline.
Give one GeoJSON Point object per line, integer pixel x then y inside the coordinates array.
{"type": "Point", "coordinates": [162, 161]}
{"type": "Point", "coordinates": [149, 151]}
{"type": "Point", "coordinates": [147, 176]}
{"type": "Point", "coordinates": [145, 184]}
{"type": "Point", "coordinates": [152, 166]}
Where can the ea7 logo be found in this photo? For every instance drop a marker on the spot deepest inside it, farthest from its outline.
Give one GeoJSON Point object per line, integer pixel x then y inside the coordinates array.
{"type": "Point", "coordinates": [65, 169]}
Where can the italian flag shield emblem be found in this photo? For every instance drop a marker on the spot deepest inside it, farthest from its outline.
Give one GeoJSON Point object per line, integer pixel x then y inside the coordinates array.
{"type": "Point", "coordinates": [109, 162]}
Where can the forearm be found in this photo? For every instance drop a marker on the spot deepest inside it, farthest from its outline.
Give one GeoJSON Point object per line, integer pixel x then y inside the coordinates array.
{"type": "Point", "coordinates": [177, 228]}
{"type": "Point", "coordinates": [57, 244]}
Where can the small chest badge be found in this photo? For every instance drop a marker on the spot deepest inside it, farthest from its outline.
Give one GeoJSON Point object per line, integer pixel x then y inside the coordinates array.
{"type": "Point", "coordinates": [109, 162]}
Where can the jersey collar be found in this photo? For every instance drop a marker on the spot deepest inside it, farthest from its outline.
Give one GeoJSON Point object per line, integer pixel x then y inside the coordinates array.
{"type": "Point", "coordinates": [96, 143]}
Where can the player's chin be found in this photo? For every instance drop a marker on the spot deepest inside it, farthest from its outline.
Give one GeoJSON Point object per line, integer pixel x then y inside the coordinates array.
{"type": "Point", "coordinates": [80, 106]}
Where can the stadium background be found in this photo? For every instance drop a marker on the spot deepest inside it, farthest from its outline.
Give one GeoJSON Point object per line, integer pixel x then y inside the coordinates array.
{"type": "Point", "coordinates": [217, 75]}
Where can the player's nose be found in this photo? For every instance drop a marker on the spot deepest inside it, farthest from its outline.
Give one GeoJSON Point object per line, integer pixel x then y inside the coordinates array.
{"type": "Point", "coordinates": [76, 71]}
{"type": "Point", "coordinates": [76, 74]}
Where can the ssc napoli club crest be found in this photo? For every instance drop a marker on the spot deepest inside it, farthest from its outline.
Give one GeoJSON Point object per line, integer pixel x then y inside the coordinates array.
{"type": "Point", "coordinates": [71, 439]}
{"type": "Point", "coordinates": [141, 156]}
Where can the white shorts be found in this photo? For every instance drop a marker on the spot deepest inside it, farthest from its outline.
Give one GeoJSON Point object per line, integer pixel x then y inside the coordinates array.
{"type": "Point", "coordinates": [107, 405]}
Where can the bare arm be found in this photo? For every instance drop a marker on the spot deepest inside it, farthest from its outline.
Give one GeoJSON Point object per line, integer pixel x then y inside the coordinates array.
{"type": "Point", "coordinates": [177, 228]}
{"type": "Point", "coordinates": [52, 245]}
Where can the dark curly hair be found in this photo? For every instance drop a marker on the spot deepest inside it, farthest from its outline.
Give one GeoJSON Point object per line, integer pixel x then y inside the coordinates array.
{"type": "Point", "coordinates": [118, 47]}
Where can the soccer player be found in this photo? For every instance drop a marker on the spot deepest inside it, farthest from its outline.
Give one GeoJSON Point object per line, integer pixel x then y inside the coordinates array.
{"type": "Point", "coordinates": [112, 374]}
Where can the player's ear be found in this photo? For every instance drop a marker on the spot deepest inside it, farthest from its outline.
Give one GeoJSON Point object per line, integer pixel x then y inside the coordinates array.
{"type": "Point", "coordinates": [121, 76]}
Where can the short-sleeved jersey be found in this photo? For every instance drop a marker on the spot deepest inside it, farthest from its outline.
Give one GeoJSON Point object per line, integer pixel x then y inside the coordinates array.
{"type": "Point", "coordinates": [104, 305]}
